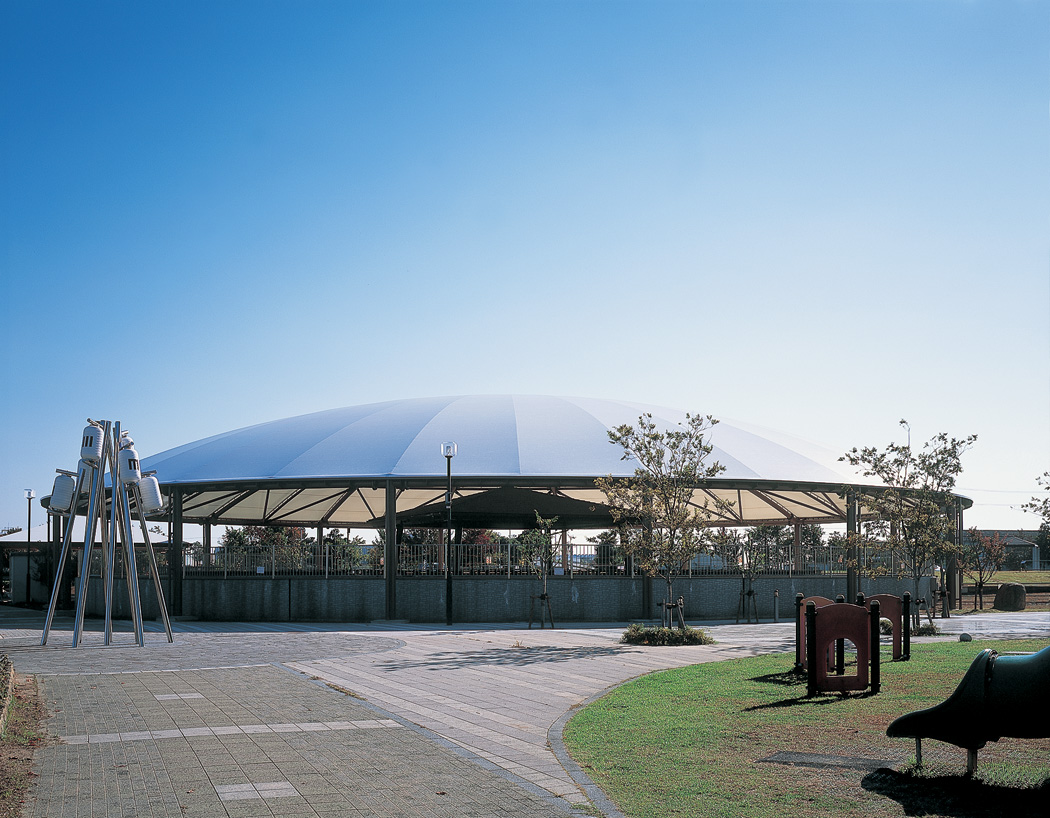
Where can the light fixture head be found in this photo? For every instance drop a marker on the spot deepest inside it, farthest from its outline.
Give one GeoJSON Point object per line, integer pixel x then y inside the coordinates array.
{"type": "Point", "coordinates": [30, 494]}
{"type": "Point", "coordinates": [448, 449]}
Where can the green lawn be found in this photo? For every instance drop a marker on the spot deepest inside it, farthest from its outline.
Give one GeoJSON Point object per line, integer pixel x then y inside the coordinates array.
{"type": "Point", "coordinates": [685, 742]}
{"type": "Point", "coordinates": [1024, 577]}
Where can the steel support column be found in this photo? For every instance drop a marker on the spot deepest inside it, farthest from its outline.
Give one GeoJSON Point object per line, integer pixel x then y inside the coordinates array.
{"type": "Point", "coordinates": [852, 528]}
{"type": "Point", "coordinates": [176, 559]}
{"type": "Point", "coordinates": [390, 550]}
{"type": "Point", "coordinates": [955, 574]}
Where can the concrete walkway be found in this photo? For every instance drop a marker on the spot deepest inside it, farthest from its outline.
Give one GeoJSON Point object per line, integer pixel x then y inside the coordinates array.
{"type": "Point", "coordinates": [382, 720]}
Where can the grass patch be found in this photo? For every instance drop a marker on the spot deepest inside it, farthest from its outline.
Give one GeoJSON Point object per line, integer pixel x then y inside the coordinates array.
{"type": "Point", "coordinates": [344, 691]}
{"type": "Point", "coordinates": [639, 634]}
{"type": "Point", "coordinates": [687, 741]}
{"type": "Point", "coordinates": [1024, 577]}
{"type": "Point", "coordinates": [23, 735]}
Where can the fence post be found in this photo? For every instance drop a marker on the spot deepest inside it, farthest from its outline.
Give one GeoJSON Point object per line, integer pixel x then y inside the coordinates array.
{"type": "Point", "coordinates": [906, 626]}
{"type": "Point", "coordinates": [876, 679]}
{"type": "Point", "coordinates": [811, 648]}
{"type": "Point", "coordinates": [799, 647]}
{"type": "Point", "coordinates": [840, 646]}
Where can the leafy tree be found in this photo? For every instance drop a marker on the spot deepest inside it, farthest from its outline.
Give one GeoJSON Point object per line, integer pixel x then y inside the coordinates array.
{"type": "Point", "coordinates": [1042, 539]}
{"type": "Point", "coordinates": [481, 536]}
{"type": "Point", "coordinates": [419, 549]}
{"type": "Point", "coordinates": [608, 555]}
{"type": "Point", "coordinates": [488, 552]}
{"type": "Point", "coordinates": [914, 524]}
{"type": "Point", "coordinates": [730, 548]}
{"type": "Point", "coordinates": [770, 546]}
{"type": "Point", "coordinates": [1041, 505]}
{"type": "Point", "coordinates": [760, 548]}
{"type": "Point", "coordinates": [812, 537]}
{"type": "Point", "coordinates": [288, 547]}
{"type": "Point", "coordinates": [868, 556]}
{"type": "Point", "coordinates": [980, 556]}
{"type": "Point", "coordinates": [659, 500]}
{"type": "Point", "coordinates": [536, 548]}
{"type": "Point", "coordinates": [345, 555]}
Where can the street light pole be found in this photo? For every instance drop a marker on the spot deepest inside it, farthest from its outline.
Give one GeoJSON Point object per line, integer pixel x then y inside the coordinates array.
{"type": "Point", "coordinates": [29, 525]}
{"type": "Point", "coordinates": [448, 450]}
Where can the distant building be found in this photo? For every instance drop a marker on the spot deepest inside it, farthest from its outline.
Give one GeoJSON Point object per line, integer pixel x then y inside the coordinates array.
{"type": "Point", "coordinates": [1022, 548]}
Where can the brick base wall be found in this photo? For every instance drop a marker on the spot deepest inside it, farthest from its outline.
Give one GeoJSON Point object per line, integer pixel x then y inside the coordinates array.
{"type": "Point", "coordinates": [477, 599]}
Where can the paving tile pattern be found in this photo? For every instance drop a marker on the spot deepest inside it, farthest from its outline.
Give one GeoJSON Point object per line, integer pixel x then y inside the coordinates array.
{"type": "Point", "coordinates": [497, 694]}
{"type": "Point", "coordinates": [235, 718]}
{"type": "Point", "coordinates": [387, 771]}
{"type": "Point", "coordinates": [189, 650]}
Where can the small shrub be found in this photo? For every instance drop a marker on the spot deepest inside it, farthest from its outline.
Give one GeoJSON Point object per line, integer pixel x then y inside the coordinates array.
{"type": "Point", "coordinates": [925, 629]}
{"type": "Point", "coordinates": [639, 634]}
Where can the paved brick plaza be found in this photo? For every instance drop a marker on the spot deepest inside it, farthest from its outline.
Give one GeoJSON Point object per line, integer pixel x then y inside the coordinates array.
{"type": "Point", "coordinates": [251, 720]}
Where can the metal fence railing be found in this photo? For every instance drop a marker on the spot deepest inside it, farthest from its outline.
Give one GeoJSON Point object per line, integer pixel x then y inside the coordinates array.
{"type": "Point", "coordinates": [492, 559]}
{"type": "Point", "coordinates": [308, 559]}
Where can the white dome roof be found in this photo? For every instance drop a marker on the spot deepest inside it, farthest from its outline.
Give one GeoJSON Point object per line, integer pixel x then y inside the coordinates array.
{"type": "Point", "coordinates": [517, 455]}
{"type": "Point", "coordinates": [497, 436]}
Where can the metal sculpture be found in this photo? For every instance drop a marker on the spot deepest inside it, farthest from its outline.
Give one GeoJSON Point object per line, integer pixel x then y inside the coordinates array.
{"type": "Point", "coordinates": [104, 447]}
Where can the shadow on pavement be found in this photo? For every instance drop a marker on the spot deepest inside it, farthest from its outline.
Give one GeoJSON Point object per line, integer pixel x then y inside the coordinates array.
{"type": "Point", "coordinates": [504, 656]}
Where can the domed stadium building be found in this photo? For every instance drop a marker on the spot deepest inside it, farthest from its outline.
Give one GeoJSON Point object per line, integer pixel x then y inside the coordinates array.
{"type": "Point", "coordinates": [381, 471]}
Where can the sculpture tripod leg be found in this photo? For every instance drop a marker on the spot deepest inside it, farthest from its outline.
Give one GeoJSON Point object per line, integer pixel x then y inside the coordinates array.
{"type": "Point", "coordinates": [66, 538]}
{"type": "Point", "coordinates": [154, 572]}
{"type": "Point", "coordinates": [89, 536]}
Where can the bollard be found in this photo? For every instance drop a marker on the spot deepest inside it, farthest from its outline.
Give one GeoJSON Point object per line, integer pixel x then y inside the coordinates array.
{"type": "Point", "coordinates": [811, 648]}
{"type": "Point", "coordinates": [876, 678]}
{"type": "Point", "coordinates": [799, 647]}
{"type": "Point", "coordinates": [840, 646]}
{"type": "Point", "coordinates": [906, 647]}
{"type": "Point", "coordinates": [776, 605]}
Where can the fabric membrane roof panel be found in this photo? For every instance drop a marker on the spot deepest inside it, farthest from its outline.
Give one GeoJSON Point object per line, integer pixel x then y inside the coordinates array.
{"type": "Point", "coordinates": [333, 467]}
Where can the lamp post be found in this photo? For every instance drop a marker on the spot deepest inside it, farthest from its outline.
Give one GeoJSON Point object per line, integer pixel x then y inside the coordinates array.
{"type": "Point", "coordinates": [29, 525]}
{"type": "Point", "coordinates": [448, 451]}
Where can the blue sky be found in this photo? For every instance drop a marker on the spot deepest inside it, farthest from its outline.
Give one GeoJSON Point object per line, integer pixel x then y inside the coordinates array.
{"type": "Point", "coordinates": [819, 217]}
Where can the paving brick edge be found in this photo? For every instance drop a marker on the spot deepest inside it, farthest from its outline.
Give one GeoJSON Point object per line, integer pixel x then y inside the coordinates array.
{"type": "Point", "coordinates": [554, 738]}
{"type": "Point", "coordinates": [554, 800]}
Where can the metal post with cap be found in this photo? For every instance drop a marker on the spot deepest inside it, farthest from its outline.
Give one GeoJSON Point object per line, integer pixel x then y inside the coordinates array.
{"type": "Point", "coordinates": [448, 451]}
{"type": "Point", "coordinates": [30, 494]}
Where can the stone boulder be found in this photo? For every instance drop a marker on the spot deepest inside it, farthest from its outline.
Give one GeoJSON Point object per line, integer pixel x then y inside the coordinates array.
{"type": "Point", "coordinates": [1010, 597]}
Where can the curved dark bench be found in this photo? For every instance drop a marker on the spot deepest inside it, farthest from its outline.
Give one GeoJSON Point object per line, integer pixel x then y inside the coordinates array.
{"type": "Point", "coordinates": [1000, 696]}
